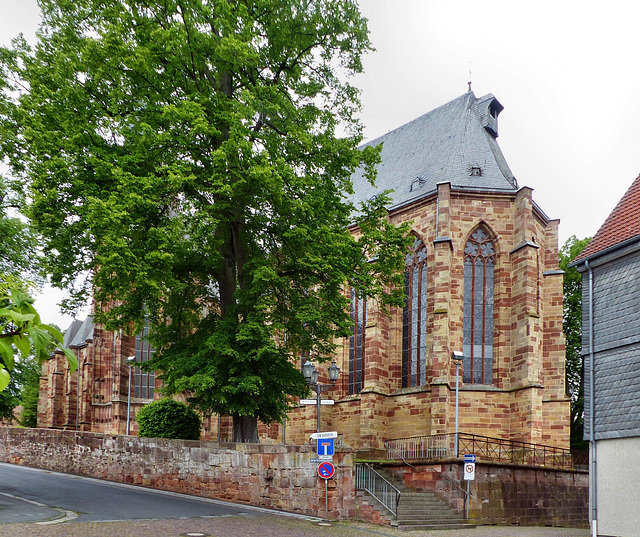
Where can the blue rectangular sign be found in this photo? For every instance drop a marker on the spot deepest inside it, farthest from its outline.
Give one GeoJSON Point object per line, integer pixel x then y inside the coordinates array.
{"type": "Point", "coordinates": [326, 446]}
{"type": "Point", "coordinates": [469, 458]}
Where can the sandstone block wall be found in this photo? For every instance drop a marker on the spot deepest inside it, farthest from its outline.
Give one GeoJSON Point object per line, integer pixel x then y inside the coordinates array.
{"type": "Point", "coordinates": [507, 494]}
{"type": "Point", "coordinates": [265, 475]}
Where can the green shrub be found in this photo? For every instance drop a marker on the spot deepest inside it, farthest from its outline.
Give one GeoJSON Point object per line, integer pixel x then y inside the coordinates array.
{"type": "Point", "coordinates": [168, 419]}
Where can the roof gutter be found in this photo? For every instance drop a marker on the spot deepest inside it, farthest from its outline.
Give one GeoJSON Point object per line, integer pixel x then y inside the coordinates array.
{"type": "Point", "coordinates": [592, 442]}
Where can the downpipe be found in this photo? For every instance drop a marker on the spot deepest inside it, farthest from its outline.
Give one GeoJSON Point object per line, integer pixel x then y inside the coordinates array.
{"type": "Point", "coordinates": [592, 442]}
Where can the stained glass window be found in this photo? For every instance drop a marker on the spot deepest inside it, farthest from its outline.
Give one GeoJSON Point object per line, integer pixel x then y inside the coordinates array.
{"type": "Point", "coordinates": [144, 381]}
{"type": "Point", "coordinates": [357, 342]}
{"type": "Point", "coordinates": [414, 317]}
{"type": "Point", "coordinates": [479, 263]}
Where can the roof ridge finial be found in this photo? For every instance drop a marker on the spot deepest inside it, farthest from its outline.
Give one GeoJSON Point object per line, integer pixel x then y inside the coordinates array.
{"type": "Point", "coordinates": [469, 76]}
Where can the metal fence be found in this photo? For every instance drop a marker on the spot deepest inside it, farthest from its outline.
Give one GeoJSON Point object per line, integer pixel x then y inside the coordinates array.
{"type": "Point", "coordinates": [439, 446]}
{"type": "Point", "coordinates": [382, 490]}
{"type": "Point", "coordinates": [485, 448]}
{"type": "Point", "coordinates": [512, 451]}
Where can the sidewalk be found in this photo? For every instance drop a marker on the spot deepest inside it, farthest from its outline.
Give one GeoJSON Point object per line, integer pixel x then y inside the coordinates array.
{"type": "Point", "coordinates": [266, 526]}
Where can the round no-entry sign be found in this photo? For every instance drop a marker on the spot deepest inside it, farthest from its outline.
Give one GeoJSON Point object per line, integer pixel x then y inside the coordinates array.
{"type": "Point", "coordinates": [326, 470]}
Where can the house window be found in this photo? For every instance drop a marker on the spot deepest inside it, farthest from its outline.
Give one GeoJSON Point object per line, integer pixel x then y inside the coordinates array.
{"type": "Point", "coordinates": [479, 263]}
{"type": "Point", "coordinates": [357, 342]}
{"type": "Point", "coordinates": [414, 317]}
{"type": "Point", "coordinates": [144, 381]}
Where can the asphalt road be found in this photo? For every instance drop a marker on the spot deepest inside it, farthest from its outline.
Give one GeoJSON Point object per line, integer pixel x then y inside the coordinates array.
{"type": "Point", "coordinates": [28, 494]}
{"type": "Point", "coordinates": [39, 503]}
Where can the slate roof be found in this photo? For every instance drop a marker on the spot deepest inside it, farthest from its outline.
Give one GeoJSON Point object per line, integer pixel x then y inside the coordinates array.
{"type": "Point", "coordinates": [71, 332]}
{"type": "Point", "coordinates": [79, 333]}
{"type": "Point", "coordinates": [622, 224]}
{"type": "Point", "coordinates": [441, 146]}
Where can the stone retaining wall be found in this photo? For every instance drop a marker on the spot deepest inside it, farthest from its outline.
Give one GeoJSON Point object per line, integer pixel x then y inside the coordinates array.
{"type": "Point", "coordinates": [507, 494]}
{"type": "Point", "coordinates": [265, 475]}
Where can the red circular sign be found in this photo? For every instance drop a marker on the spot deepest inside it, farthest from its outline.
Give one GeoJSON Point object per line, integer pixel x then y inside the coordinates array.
{"type": "Point", "coordinates": [326, 470]}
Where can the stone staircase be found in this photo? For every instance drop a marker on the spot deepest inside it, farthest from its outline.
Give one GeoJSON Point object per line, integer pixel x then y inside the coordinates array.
{"type": "Point", "coordinates": [423, 510]}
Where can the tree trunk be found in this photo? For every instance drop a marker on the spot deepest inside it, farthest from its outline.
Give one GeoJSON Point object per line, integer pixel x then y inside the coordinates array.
{"type": "Point", "coordinates": [245, 429]}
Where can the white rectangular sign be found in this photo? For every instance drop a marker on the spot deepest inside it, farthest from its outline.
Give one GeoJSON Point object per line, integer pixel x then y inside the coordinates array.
{"type": "Point", "coordinates": [469, 471]}
{"type": "Point", "coordinates": [326, 402]}
{"type": "Point", "coordinates": [325, 457]}
{"type": "Point", "coordinates": [326, 434]}
{"type": "Point", "coordinates": [308, 401]}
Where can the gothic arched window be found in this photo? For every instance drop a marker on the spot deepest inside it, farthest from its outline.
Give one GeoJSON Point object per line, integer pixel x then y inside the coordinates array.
{"type": "Point", "coordinates": [479, 263]}
{"type": "Point", "coordinates": [144, 381]}
{"type": "Point", "coordinates": [414, 317]}
{"type": "Point", "coordinates": [357, 342]}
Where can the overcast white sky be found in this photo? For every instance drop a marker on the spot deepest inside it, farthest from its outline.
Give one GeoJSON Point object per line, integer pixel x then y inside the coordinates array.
{"type": "Point", "coordinates": [566, 72]}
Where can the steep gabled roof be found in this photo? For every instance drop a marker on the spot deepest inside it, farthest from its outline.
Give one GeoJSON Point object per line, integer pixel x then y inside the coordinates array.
{"type": "Point", "coordinates": [70, 333]}
{"type": "Point", "coordinates": [622, 224]}
{"type": "Point", "coordinates": [444, 145]}
{"type": "Point", "coordinates": [83, 334]}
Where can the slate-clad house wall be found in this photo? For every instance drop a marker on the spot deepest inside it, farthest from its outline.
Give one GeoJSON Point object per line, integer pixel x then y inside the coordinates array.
{"type": "Point", "coordinates": [481, 277]}
{"type": "Point", "coordinates": [610, 267]}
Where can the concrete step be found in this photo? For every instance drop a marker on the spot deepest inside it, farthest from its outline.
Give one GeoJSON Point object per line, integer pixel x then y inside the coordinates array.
{"type": "Point", "coordinates": [426, 512]}
{"type": "Point", "coordinates": [431, 520]}
{"type": "Point", "coordinates": [423, 510]}
{"type": "Point", "coordinates": [428, 516]}
{"type": "Point", "coordinates": [426, 500]}
{"type": "Point", "coordinates": [428, 527]}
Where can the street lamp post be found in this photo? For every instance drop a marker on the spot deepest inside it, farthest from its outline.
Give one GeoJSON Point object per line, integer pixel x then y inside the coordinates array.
{"type": "Point", "coordinates": [311, 376]}
{"type": "Point", "coordinates": [457, 358]}
{"type": "Point", "coordinates": [130, 361]}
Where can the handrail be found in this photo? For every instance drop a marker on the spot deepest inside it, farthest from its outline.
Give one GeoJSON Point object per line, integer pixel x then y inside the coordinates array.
{"type": "Point", "coordinates": [467, 494]}
{"type": "Point", "coordinates": [486, 448]}
{"type": "Point", "coordinates": [379, 487]}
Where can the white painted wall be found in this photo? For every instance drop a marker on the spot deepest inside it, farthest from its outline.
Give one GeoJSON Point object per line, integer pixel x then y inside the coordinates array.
{"type": "Point", "coordinates": [618, 487]}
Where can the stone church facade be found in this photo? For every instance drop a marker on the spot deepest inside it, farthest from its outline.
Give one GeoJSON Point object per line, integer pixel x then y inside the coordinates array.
{"type": "Point", "coordinates": [481, 278]}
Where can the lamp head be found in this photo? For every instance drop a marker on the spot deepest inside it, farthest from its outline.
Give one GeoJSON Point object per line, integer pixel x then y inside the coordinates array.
{"type": "Point", "coordinates": [334, 371]}
{"type": "Point", "coordinates": [130, 360]}
{"type": "Point", "coordinates": [307, 371]}
{"type": "Point", "coordinates": [457, 357]}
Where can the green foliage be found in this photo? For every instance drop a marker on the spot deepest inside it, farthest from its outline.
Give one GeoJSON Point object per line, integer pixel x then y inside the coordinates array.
{"type": "Point", "coordinates": [18, 245]}
{"type": "Point", "coordinates": [168, 419]}
{"type": "Point", "coordinates": [186, 155]}
{"type": "Point", "coordinates": [21, 330]}
{"type": "Point", "coordinates": [572, 327]}
{"type": "Point", "coordinates": [30, 371]}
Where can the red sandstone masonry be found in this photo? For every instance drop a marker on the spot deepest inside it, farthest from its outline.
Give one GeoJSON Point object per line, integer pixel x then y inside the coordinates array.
{"type": "Point", "coordinates": [265, 475]}
{"type": "Point", "coordinates": [507, 494]}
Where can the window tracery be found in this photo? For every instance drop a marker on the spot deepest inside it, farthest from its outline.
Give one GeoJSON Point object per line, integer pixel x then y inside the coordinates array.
{"type": "Point", "coordinates": [414, 317]}
{"type": "Point", "coordinates": [479, 269]}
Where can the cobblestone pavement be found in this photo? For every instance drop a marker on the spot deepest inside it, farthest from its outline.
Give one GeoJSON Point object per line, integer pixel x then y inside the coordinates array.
{"type": "Point", "coordinates": [265, 526]}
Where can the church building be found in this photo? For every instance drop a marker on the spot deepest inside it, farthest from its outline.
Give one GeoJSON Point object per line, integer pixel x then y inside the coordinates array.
{"type": "Point", "coordinates": [481, 279]}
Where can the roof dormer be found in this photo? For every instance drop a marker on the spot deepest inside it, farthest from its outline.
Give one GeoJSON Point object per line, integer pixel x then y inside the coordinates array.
{"type": "Point", "coordinates": [489, 108]}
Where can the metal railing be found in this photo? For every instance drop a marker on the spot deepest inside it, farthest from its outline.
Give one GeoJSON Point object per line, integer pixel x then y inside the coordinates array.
{"type": "Point", "coordinates": [515, 452]}
{"type": "Point", "coordinates": [439, 446]}
{"type": "Point", "coordinates": [485, 448]}
{"type": "Point", "coordinates": [369, 480]}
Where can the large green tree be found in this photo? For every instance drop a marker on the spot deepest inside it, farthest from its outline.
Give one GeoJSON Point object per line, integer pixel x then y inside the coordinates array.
{"type": "Point", "coordinates": [572, 327]}
{"type": "Point", "coordinates": [193, 157]}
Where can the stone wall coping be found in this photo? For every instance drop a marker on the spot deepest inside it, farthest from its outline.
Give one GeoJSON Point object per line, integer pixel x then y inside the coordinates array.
{"type": "Point", "coordinates": [208, 444]}
{"type": "Point", "coordinates": [443, 462]}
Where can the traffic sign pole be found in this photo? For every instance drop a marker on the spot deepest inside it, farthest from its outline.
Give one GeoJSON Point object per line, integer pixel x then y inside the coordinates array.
{"type": "Point", "coordinates": [326, 499]}
{"type": "Point", "coordinates": [326, 471]}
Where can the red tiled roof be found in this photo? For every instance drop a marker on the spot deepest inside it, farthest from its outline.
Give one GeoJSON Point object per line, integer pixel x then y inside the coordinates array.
{"type": "Point", "coordinates": [622, 224]}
